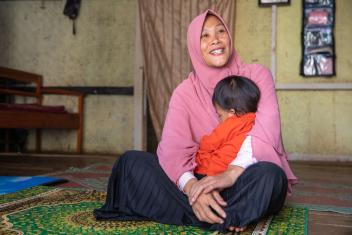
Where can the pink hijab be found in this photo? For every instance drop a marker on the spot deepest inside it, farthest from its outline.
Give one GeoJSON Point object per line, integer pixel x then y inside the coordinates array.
{"type": "Point", "coordinates": [191, 114]}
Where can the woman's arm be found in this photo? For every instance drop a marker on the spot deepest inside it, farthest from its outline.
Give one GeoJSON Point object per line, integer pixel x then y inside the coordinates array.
{"type": "Point", "coordinates": [208, 205]}
{"type": "Point", "coordinates": [209, 187]}
{"type": "Point", "coordinates": [177, 147]}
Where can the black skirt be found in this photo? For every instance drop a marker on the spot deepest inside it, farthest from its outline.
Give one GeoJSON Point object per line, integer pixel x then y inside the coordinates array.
{"type": "Point", "coordinates": [140, 190]}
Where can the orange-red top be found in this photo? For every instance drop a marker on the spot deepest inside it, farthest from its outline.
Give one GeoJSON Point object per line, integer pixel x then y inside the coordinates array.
{"type": "Point", "coordinates": [217, 150]}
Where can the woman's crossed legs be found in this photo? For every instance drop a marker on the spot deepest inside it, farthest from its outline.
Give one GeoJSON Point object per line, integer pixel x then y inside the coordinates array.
{"type": "Point", "coordinates": [140, 190]}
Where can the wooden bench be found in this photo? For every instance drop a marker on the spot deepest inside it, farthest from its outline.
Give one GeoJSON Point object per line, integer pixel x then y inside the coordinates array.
{"type": "Point", "coordinates": [14, 83]}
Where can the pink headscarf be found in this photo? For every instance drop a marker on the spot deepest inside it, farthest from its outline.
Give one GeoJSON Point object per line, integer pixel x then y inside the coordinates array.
{"type": "Point", "coordinates": [191, 114]}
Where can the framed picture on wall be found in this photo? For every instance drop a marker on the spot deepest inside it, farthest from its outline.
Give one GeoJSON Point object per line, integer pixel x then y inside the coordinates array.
{"type": "Point", "coordinates": [264, 3]}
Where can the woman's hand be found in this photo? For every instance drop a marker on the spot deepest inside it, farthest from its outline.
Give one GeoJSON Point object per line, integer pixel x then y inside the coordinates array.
{"type": "Point", "coordinates": [195, 190]}
{"type": "Point", "coordinates": [218, 182]}
{"type": "Point", "coordinates": [203, 206]}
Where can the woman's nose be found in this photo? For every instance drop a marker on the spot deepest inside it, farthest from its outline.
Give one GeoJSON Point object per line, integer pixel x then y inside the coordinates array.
{"type": "Point", "coordinates": [214, 40]}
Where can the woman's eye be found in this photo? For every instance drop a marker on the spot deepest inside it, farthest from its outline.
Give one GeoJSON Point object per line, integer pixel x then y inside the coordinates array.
{"type": "Point", "coordinates": [222, 31]}
{"type": "Point", "coordinates": [204, 35]}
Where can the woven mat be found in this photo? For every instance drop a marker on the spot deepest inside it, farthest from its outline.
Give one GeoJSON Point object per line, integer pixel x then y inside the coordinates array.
{"type": "Point", "coordinates": [93, 177]}
{"type": "Point", "coordinates": [45, 210]}
{"type": "Point", "coordinates": [321, 195]}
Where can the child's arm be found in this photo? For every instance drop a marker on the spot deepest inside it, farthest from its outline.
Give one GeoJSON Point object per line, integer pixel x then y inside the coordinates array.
{"type": "Point", "coordinates": [245, 156]}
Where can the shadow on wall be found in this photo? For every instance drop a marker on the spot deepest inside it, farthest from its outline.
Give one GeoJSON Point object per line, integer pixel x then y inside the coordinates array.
{"type": "Point", "coordinates": [152, 141]}
{"type": "Point", "coordinates": [6, 31]}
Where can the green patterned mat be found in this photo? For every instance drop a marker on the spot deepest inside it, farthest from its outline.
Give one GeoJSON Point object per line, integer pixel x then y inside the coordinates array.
{"type": "Point", "coordinates": [45, 210]}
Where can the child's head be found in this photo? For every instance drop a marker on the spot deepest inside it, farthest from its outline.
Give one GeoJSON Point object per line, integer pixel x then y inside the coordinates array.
{"type": "Point", "coordinates": [235, 95]}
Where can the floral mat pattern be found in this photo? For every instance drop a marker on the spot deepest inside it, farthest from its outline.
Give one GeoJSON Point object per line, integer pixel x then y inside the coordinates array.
{"type": "Point", "coordinates": [46, 210]}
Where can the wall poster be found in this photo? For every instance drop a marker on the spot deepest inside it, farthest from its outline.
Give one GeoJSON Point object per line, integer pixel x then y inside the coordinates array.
{"type": "Point", "coordinates": [318, 46]}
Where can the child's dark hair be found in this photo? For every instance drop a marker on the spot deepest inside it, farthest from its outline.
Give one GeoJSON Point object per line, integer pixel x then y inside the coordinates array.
{"type": "Point", "coordinates": [238, 93]}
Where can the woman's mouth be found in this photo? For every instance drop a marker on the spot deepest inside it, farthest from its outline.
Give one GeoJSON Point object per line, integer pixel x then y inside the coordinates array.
{"type": "Point", "coordinates": [218, 51]}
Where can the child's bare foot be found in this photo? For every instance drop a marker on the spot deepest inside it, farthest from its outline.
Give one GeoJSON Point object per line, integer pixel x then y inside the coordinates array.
{"type": "Point", "coordinates": [237, 229]}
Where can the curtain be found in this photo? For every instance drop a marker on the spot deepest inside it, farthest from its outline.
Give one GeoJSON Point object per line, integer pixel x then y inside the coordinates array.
{"type": "Point", "coordinates": [164, 26]}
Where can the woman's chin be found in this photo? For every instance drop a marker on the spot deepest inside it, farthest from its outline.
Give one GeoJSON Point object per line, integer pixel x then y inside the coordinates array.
{"type": "Point", "coordinates": [217, 63]}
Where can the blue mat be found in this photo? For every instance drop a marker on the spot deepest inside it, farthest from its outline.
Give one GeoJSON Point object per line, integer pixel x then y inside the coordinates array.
{"type": "Point", "coordinates": [11, 184]}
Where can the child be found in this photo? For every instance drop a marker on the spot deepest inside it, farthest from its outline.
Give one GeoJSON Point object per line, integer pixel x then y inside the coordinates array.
{"type": "Point", "coordinates": [235, 99]}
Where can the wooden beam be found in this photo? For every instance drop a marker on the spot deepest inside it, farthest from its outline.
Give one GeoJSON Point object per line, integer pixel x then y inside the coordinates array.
{"type": "Point", "coordinates": [139, 133]}
{"type": "Point", "coordinates": [313, 86]}
{"type": "Point", "coordinates": [273, 40]}
{"type": "Point", "coordinates": [86, 90]}
{"type": "Point", "coordinates": [11, 119]}
{"type": "Point", "coordinates": [319, 157]}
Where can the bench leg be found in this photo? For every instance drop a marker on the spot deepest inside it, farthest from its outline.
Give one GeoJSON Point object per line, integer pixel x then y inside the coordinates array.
{"type": "Point", "coordinates": [80, 129]}
{"type": "Point", "coordinates": [38, 142]}
{"type": "Point", "coordinates": [7, 140]}
{"type": "Point", "coordinates": [79, 140]}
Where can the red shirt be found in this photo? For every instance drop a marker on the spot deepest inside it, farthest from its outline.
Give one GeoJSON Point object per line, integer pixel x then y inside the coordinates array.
{"type": "Point", "coordinates": [217, 150]}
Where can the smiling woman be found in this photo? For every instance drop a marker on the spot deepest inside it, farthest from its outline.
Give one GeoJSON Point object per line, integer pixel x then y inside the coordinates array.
{"type": "Point", "coordinates": [143, 185]}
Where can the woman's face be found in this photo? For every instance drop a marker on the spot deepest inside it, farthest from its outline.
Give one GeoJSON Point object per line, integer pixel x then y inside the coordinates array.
{"type": "Point", "coordinates": [214, 42]}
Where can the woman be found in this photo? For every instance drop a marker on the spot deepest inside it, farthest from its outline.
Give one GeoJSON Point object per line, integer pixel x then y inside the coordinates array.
{"type": "Point", "coordinates": [143, 186]}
